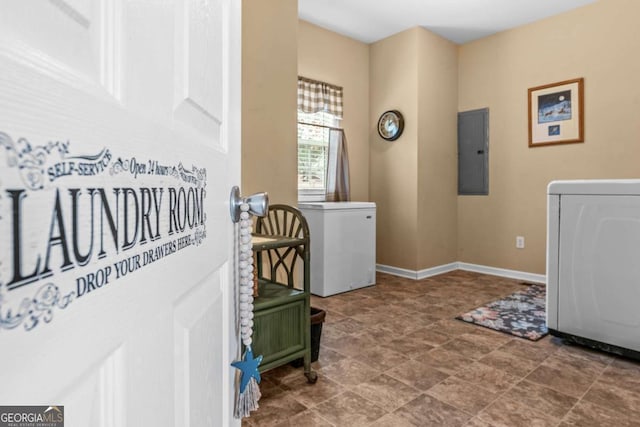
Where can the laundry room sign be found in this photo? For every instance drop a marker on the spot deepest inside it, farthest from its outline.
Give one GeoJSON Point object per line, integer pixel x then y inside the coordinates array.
{"type": "Point", "coordinates": [74, 223]}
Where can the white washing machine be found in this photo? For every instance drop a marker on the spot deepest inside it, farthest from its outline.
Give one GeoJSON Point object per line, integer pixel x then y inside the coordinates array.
{"type": "Point", "coordinates": [593, 263]}
{"type": "Point", "coordinates": [343, 245]}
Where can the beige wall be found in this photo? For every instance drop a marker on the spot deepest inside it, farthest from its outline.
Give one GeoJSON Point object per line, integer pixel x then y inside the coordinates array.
{"type": "Point", "coordinates": [598, 42]}
{"type": "Point", "coordinates": [412, 179]}
{"type": "Point", "coordinates": [269, 93]}
{"type": "Point", "coordinates": [437, 150]}
{"type": "Point", "coordinates": [329, 57]}
{"type": "Point", "coordinates": [393, 182]}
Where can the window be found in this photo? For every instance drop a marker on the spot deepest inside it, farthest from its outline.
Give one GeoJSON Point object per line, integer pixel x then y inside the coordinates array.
{"type": "Point", "coordinates": [323, 165]}
{"type": "Point", "coordinates": [313, 152]}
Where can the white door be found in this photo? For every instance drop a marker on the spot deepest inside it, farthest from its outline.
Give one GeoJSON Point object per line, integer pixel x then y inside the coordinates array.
{"type": "Point", "coordinates": [119, 144]}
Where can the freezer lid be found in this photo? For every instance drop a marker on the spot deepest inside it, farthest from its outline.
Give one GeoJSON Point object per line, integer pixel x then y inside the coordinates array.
{"type": "Point", "coordinates": [596, 187]}
{"type": "Point", "coordinates": [336, 205]}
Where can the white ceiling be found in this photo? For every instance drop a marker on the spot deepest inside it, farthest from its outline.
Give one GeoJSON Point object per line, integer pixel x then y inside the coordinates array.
{"type": "Point", "coordinates": [457, 20]}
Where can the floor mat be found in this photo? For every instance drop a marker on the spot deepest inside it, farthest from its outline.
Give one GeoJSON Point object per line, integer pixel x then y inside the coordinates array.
{"type": "Point", "coordinates": [521, 314]}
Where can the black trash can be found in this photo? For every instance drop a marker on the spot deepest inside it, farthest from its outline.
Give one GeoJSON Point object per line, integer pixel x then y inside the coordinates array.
{"type": "Point", "coordinates": [317, 319]}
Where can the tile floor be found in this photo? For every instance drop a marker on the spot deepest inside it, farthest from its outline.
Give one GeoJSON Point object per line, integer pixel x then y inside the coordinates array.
{"type": "Point", "coordinates": [393, 355]}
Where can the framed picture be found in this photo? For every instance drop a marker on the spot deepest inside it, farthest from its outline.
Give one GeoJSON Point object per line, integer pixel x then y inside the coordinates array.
{"type": "Point", "coordinates": [556, 113]}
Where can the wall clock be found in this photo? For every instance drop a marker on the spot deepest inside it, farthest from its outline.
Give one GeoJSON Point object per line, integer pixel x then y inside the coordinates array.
{"type": "Point", "coordinates": [390, 125]}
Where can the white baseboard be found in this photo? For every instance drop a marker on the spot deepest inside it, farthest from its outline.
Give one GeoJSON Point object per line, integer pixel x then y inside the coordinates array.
{"type": "Point", "coordinates": [433, 271]}
{"type": "Point", "coordinates": [397, 271]}
{"type": "Point", "coordinates": [417, 275]}
{"type": "Point", "coordinates": [502, 272]}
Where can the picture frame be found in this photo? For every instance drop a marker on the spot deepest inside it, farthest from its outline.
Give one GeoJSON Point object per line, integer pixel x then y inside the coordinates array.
{"type": "Point", "coordinates": [556, 113]}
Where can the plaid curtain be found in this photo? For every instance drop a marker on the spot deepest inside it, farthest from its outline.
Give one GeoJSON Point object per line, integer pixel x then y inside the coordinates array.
{"type": "Point", "coordinates": [315, 96]}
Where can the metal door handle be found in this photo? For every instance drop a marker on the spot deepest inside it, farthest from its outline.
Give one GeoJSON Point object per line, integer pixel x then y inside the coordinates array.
{"type": "Point", "coordinates": [258, 204]}
{"type": "Point", "coordinates": [480, 151]}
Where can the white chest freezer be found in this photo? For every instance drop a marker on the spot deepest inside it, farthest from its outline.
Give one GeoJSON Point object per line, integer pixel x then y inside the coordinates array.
{"type": "Point", "coordinates": [343, 245]}
{"type": "Point", "coordinates": [593, 263]}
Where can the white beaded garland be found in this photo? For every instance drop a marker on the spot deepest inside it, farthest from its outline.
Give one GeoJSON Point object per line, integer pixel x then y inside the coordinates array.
{"type": "Point", "coordinates": [246, 276]}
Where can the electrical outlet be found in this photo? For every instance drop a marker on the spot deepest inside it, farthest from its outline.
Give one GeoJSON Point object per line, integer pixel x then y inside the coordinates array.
{"type": "Point", "coordinates": [520, 242]}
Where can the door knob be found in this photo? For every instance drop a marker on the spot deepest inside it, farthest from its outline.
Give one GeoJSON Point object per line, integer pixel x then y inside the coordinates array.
{"type": "Point", "coordinates": [258, 204]}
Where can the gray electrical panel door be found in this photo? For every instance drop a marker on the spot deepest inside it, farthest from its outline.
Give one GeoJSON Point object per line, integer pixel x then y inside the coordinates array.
{"type": "Point", "coordinates": [473, 152]}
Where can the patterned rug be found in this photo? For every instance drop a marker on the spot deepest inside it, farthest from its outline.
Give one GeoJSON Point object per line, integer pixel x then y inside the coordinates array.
{"type": "Point", "coordinates": [521, 314]}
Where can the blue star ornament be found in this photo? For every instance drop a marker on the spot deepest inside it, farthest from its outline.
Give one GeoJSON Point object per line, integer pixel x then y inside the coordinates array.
{"type": "Point", "coordinates": [248, 367]}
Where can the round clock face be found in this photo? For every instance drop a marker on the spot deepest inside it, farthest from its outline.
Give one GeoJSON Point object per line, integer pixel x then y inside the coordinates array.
{"type": "Point", "coordinates": [390, 125]}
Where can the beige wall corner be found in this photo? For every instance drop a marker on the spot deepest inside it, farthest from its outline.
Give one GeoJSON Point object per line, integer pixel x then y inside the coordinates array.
{"type": "Point", "coordinates": [393, 182]}
{"type": "Point", "coordinates": [597, 42]}
{"type": "Point", "coordinates": [269, 70]}
{"type": "Point", "coordinates": [332, 58]}
{"type": "Point", "coordinates": [413, 179]}
{"type": "Point", "coordinates": [437, 150]}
